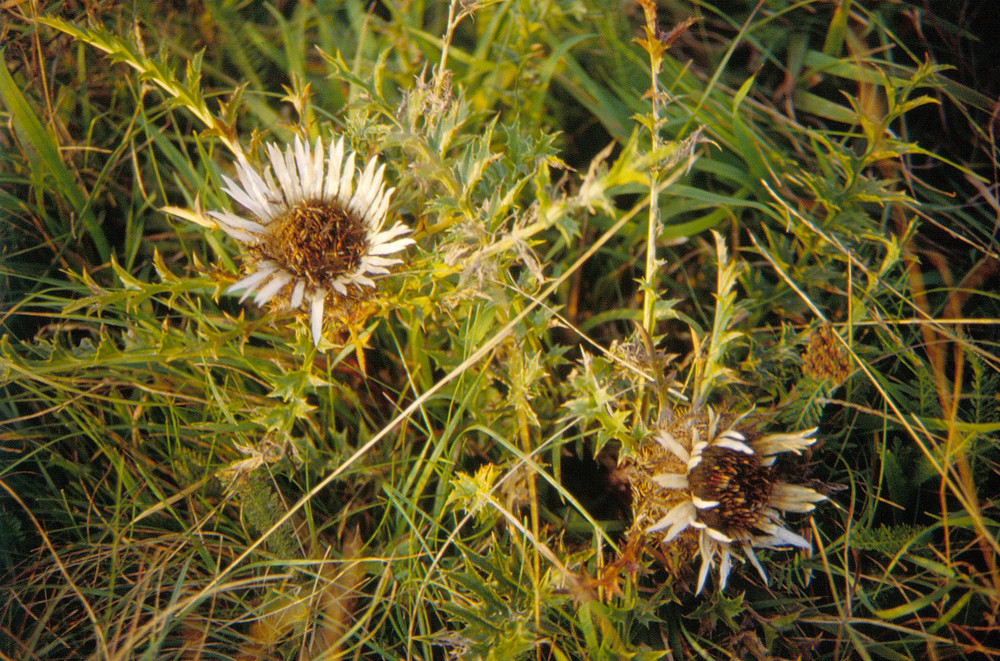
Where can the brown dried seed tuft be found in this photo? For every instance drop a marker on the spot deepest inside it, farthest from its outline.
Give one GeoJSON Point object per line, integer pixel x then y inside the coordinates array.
{"type": "Point", "coordinates": [740, 484]}
{"type": "Point", "coordinates": [825, 359]}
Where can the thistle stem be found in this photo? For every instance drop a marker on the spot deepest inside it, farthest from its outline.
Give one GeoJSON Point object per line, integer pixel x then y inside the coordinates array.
{"type": "Point", "coordinates": [654, 48]}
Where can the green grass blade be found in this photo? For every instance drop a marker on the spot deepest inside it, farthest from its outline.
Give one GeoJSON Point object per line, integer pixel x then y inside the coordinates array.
{"type": "Point", "coordinates": [47, 150]}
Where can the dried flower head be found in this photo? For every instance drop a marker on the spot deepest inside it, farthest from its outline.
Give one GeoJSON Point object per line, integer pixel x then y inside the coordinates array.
{"type": "Point", "coordinates": [315, 235]}
{"type": "Point", "coordinates": [708, 482]}
{"type": "Point", "coordinates": [825, 359]}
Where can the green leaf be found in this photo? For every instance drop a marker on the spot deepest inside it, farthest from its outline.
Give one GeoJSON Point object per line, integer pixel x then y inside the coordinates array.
{"type": "Point", "coordinates": [817, 105]}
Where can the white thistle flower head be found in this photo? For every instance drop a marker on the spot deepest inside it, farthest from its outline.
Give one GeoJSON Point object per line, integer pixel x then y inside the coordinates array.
{"type": "Point", "coordinates": [315, 237]}
{"type": "Point", "coordinates": [705, 479]}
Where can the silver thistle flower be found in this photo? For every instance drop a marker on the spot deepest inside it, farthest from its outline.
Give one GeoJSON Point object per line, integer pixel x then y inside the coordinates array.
{"type": "Point", "coordinates": [316, 234]}
{"type": "Point", "coordinates": [717, 481]}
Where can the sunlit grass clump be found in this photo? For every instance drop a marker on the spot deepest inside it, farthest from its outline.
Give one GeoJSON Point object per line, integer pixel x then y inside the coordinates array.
{"type": "Point", "coordinates": [496, 330]}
